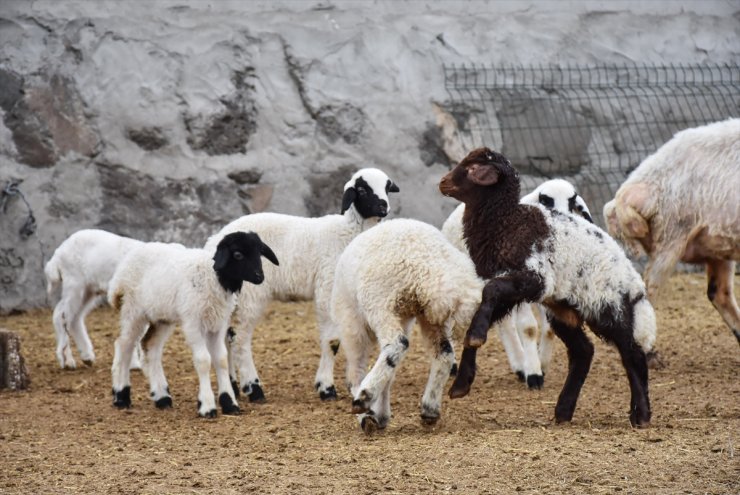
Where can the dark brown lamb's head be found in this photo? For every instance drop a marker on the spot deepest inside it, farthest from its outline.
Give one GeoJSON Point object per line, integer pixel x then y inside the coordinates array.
{"type": "Point", "coordinates": [483, 173]}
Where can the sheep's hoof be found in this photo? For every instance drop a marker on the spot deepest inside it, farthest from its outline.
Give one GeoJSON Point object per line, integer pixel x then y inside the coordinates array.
{"type": "Point", "coordinates": [208, 414]}
{"type": "Point", "coordinates": [655, 360]}
{"type": "Point", "coordinates": [563, 416]}
{"type": "Point", "coordinates": [328, 394]}
{"type": "Point", "coordinates": [429, 418]}
{"type": "Point", "coordinates": [639, 420]}
{"type": "Point", "coordinates": [122, 398]}
{"type": "Point", "coordinates": [88, 362]}
{"type": "Point", "coordinates": [535, 381]}
{"type": "Point", "coordinates": [359, 406]}
{"type": "Point", "coordinates": [255, 393]}
{"type": "Point", "coordinates": [227, 405]}
{"type": "Point", "coordinates": [369, 425]}
{"type": "Point", "coordinates": [163, 402]}
{"type": "Point", "coordinates": [520, 376]}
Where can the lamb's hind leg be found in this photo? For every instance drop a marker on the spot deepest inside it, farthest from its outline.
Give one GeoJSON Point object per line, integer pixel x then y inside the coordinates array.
{"type": "Point", "coordinates": [442, 358]}
{"type": "Point", "coordinates": [152, 346]}
{"type": "Point", "coordinates": [216, 342]}
{"type": "Point", "coordinates": [329, 341]}
{"type": "Point", "coordinates": [580, 354]}
{"type": "Point", "coordinates": [720, 278]}
{"type": "Point", "coordinates": [247, 315]}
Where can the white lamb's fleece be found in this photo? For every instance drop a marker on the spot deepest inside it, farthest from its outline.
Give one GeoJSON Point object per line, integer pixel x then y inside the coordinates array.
{"type": "Point", "coordinates": [308, 249]}
{"type": "Point", "coordinates": [387, 277]}
{"type": "Point", "coordinates": [83, 266]}
{"type": "Point", "coordinates": [611, 276]}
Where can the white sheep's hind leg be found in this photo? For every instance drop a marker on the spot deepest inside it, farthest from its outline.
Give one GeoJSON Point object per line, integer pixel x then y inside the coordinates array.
{"type": "Point", "coordinates": [526, 326]}
{"type": "Point", "coordinates": [152, 346]}
{"type": "Point", "coordinates": [442, 357]}
{"type": "Point", "coordinates": [329, 340]}
{"type": "Point", "coordinates": [512, 345]}
{"type": "Point", "coordinates": [547, 337]}
{"type": "Point", "coordinates": [246, 318]}
{"type": "Point", "coordinates": [64, 313]}
{"type": "Point", "coordinates": [202, 362]}
{"type": "Point", "coordinates": [137, 358]}
{"type": "Point", "coordinates": [64, 349]}
{"type": "Point", "coordinates": [216, 341]}
{"type": "Point", "coordinates": [720, 279]}
{"type": "Point", "coordinates": [356, 347]}
{"type": "Point", "coordinates": [394, 346]}
{"type": "Point", "coordinates": [132, 328]}
{"type": "Point", "coordinates": [79, 330]}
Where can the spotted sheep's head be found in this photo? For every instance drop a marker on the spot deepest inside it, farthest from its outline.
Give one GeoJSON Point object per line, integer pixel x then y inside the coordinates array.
{"type": "Point", "coordinates": [367, 191]}
{"type": "Point", "coordinates": [561, 195]}
{"type": "Point", "coordinates": [238, 259]}
{"type": "Point", "coordinates": [482, 173]}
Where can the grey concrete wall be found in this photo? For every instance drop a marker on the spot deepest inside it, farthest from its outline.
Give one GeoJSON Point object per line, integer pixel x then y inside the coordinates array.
{"type": "Point", "coordinates": [165, 120]}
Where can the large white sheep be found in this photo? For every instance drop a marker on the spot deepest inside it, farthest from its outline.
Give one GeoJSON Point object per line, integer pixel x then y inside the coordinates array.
{"type": "Point", "coordinates": [682, 203]}
{"type": "Point", "coordinates": [398, 272]}
{"type": "Point", "coordinates": [82, 265]}
{"type": "Point", "coordinates": [519, 330]}
{"type": "Point", "coordinates": [534, 254]}
{"type": "Point", "coordinates": [158, 285]}
{"type": "Point", "coordinates": [308, 249]}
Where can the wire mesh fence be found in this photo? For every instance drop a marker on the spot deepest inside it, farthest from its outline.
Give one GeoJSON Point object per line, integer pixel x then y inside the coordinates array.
{"type": "Point", "coordinates": [591, 125]}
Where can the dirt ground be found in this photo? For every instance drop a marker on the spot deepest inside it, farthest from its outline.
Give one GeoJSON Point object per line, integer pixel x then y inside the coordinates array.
{"type": "Point", "coordinates": [64, 436]}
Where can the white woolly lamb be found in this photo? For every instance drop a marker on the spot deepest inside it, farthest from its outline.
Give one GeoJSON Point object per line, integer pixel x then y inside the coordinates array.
{"type": "Point", "coordinates": [682, 203]}
{"type": "Point", "coordinates": [82, 265]}
{"type": "Point", "coordinates": [308, 249]}
{"type": "Point", "coordinates": [161, 284]}
{"type": "Point", "coordinates": [398, 272]}
{"type": "Point", "coordinates": [519, 330]}
{"type": "Point", "coordinates": [534, 254]}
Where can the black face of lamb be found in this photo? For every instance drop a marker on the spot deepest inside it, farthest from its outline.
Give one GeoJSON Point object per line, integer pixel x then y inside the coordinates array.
{"type": "Point", "coordinates": [238, 259]}
{"type": "Point", "coordinates": [366, 201]}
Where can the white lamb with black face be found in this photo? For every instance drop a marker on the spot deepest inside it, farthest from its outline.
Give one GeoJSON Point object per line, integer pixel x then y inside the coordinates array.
{"type": "Point", "coordinates": [308, 249]}
{"type": "Point", "coordinates": [527, 324]}
{"type": "Point", "coordinates": [158, 285]}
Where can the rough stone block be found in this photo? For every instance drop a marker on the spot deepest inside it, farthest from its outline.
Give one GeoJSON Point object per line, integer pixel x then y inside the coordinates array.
{"type": "Point", "coordinates": [13, 371]}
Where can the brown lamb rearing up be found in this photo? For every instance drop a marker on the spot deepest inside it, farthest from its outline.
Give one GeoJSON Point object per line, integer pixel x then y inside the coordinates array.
{"type": "Point", "coordinates": [529, 253]}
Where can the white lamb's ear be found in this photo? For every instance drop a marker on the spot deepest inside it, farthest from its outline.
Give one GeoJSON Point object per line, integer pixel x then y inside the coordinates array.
{"type": "Point", "coordinates": [482, 175]}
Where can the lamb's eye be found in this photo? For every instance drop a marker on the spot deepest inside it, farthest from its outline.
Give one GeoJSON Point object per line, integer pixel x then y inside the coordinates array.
{"type": "Point", "coordinates": [238, 256]}
{"type": "Point", "coordinates": [361, 191]}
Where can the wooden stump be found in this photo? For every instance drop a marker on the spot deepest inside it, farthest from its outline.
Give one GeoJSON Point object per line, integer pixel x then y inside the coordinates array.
{"type": "Point", "coordinates": [13, 371]}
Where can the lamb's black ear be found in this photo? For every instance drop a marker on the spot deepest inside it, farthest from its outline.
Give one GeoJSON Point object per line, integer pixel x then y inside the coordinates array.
{"type": "Point", "coordinates": [586, 216]}
{"type": "Point", "coordinates": [391, 187]}
{"type": "Point", "coordinates": [220, 258]}
{"type": "Point", "coordinates": [349, 196]}
{"type": "Point", "coordinates": [267, 253]}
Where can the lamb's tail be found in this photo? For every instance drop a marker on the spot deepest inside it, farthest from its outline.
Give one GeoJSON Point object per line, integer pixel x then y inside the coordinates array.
{"type": "Point", "coordinates": [53, 276]}
{"type": "Point", "coordinates": [645, 325]}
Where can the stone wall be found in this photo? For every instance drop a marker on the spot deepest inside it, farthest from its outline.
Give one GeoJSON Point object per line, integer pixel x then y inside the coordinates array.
{"type": "Point", "coordinates": [165, 120]}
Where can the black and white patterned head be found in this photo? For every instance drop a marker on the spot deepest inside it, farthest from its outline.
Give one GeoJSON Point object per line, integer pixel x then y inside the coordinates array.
{"type": "Point", "coordinates": [561, 195]}
{"type": "Point", "coordinates": [367, 191]}
{"type": "Point", "coordinates": [238, 258]}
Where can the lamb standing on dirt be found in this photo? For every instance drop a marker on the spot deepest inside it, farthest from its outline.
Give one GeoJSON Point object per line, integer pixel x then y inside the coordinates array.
{"type": "Point", "coordinates": [161, 284]}
{"type": "Point", "coordinates": [389, 276]}
{"type": "Point", "coordinates": [682, 203]}
{"type": "Point", "coordinates": [519, 330]}
{"type": "Point", "coordinates": [533, 254]}
{"type": "Point", "coordinates": [308, 249]}
{"type": "Point", "coordinates": [83, 265]}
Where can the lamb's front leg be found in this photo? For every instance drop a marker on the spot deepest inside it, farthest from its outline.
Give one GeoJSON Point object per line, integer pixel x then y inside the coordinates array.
{"type": "Point", "coordinates": [202, 363]}
{"type": "Point", "coordinates": [216, 341]}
